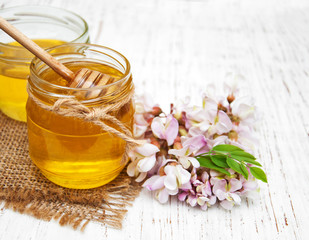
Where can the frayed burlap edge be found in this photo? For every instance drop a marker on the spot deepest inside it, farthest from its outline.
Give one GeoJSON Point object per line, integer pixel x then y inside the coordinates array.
{"type": "Point", "coordinates": [76, 215]}
{"type": "Point", "coordinates": [24, 189]}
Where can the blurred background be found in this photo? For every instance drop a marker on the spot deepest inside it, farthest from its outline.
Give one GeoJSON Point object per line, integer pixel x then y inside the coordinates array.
{"type": "Point", "coordinates": [176, 48]}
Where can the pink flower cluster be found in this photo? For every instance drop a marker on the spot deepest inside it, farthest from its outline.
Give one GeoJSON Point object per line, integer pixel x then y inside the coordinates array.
{"type": "Point", "coordinates": [167, 161]}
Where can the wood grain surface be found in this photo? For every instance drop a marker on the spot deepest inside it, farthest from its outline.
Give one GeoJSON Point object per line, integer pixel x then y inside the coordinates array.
{"type": "Point", "coordinates": [176, 49]}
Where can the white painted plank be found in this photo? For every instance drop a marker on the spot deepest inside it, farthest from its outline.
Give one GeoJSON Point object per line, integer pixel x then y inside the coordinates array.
{"type": "Point", "coordinates": [176, 48]}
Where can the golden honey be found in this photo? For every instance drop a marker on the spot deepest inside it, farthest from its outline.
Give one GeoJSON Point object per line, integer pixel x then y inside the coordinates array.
{"type": "Point", "coordinates": [69, 151]}
{"type": "Point", "coordinates": [13, 79]}
{"type": "Point", "coordinates": [48, 27]}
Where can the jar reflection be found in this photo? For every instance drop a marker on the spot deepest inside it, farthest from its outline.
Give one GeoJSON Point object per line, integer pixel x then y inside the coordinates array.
{"type": "Point", "coordinates": [48, 27]}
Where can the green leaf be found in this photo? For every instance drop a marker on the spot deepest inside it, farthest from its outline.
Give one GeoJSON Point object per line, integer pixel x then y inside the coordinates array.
{"type": "Point", "coordinates": [207, 163]}
{"type": "Point", "coordinates": [243, 154]}
{"type": "Point", "coordinates": [245, 159]}
{"type": "Point", "coordinates": [244, 170]}
{"type": "Point", "coordinates": [225, 156]}
{"type": "Point", "coordinates": [226, 148]}
{"type": "Point", "coordinates": [234, 165]}
{"type": "Point", "coordinates": [258, 173]}
{"type": "Point", "coordinates": [252, 162]}
{"type": "Point", "coordinates": [219, 160]}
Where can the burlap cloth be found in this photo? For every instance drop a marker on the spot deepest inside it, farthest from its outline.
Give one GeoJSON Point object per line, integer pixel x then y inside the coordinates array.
{"type": "Point", "coordinates": [24, 189]}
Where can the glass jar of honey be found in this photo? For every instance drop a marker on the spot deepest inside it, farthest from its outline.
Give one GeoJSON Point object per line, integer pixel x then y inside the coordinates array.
{"type": "Point", "coordinates": [47, 26]}
{"type": "Point", "coordinates": [70, 151]}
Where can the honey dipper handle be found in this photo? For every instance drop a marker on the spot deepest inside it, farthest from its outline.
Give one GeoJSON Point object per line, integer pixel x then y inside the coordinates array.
{"type": "Point", "coordinates": [36, 50]}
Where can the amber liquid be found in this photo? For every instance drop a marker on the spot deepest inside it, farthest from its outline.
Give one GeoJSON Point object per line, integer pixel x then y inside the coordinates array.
{"type": "Point", "coordinates": [71, 152]}
{"type": "Point", "coordinates": [13, 80]}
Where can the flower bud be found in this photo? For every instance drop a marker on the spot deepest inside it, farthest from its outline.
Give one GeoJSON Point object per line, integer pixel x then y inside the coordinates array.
{"type": "Point", "coordinates": [230, 98]}
{"type": "Point", "coordinates": [156, 111]}
{"type": "Point", "coordinates": [183, 131]}
{"type": "Point", "coordinates": [155, 142]}
{"type": "Point", "coordinates": [221, 107]}
{"type": "Point", "coordinates": [182, 119]}
{"type": "Point", "coordinates": [173, 164]}
{"type": "Point", "coordinates": [149, 121]}
{"type": "Point", "coordinates": [161, 171]}
{"type": "Point", "coordinates": [177, 139]}
{"type": "Point", "coordinates": [233, 135]}
{"type": "Point", "coordinates": [177, 145]}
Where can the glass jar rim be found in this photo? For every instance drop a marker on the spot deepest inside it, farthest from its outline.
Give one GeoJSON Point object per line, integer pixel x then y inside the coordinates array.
{"type": "Point", "coordinates": [125, 75]}
{"type": "Point", "coordinates": [34, 7]}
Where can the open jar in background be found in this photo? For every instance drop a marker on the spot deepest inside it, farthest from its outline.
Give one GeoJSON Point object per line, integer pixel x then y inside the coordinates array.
{"type": "Point", "coordinates": [47, 26]}
{"type": "Point", "coordinates": [70, 151]}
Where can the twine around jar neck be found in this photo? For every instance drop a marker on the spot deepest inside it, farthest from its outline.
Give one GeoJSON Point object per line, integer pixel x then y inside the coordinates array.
{"type": "Point", "coordinates": [96, 115]}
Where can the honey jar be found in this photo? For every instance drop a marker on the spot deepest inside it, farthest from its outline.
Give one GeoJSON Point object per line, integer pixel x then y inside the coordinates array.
{"type": "Point", "coordinates": [47, 26]}
{"type": "Point", "coordinates": [71, 151]}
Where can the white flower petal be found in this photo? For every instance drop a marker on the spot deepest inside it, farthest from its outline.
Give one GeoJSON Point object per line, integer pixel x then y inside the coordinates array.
{"type": "Point", "coordinates": [214, 173]}
{"type": "Point", "coordinates": [201, 201]}
{"type": "Point", "coordinates": [250, 185]}
{"type": "Point", "coordinates": [171, 129]}
{"type": "Point", "coordinates": [236, 198]}
{"type": "Point", "coordinates": [204, 126]}
{"type": "Point", "coordinates": [184, 162]}
{"type": "Point", "coordinates": [131, 168]}
{"type": "Point", "coordinates": [192, 200]}
{"type": "Point", "coordinates": [179, 152]}
{"type": "Point", "coordinates": [166, 161]}
{"type": "Point", "coordinates": [196, 142]}
{"type": "Point", "coordinates": [169, 169]}
{"type": "Point", "coordinates": [147, 149]}
{"type": "Point", "coordinates": [227, 204]}
{"type": "Point", "coordinates": [186, 186]}
{"type": "Point", "coordinates": [183, 175]}
{"type": "Point", "coordinates": [139, 108]}
{"type": "Point", "coordinates": [217, 141]}
{"type": "Point", "coordinates": [196, 130]}
{"type": "Point", "coordinates": [162, 195]}
{"type": "Point", "coordinates": [207, 189]}
{"type": "Point", "coordinates": [182, 196]}
{"type": "Point", "coordinates": [204, 207]}
{"type": "Point", "coordinates": [170, 182]}
{"type": "Point", "coordinates": [213, 180]}
{"type": "Point", "coordinates": [158, 128]}
{"type": "Point", "coordinates": [203, 198]}
{"type": "Point", "coordinates": [172, 192]}
{"type": "Point", "coordinates": [211, 107]}
{"type": "Point", "coordinates": [219, 185]}
{"type": "Point", "coordinates": [221, 195]}
{"type": "Point", "coordinates": [225, 124]}
{"type": "Point", "coordinates": [245, 111]}
{"type": "Point", "coordinates": [205, 176]}
{"type": "Point", "coordinates": [235, 185]}
{"type": "Point", "coordinates": [139, 130]}
{"type": "Point", "coordinates": [199, 188]}
{"type": "Point", "coordinates": [197, 114]}
{"type": "Point", "coordinates": [212, 200]}
{"type": "Point", "coordinates": [194, 162]}
{"type": "Point", "coordinates": [151, 181]}
{"type": "Point", "coordinates": [141, 177]}
{"type": "Point", "coordinates": [147, 163]}
{"type": "Point", "coordinates": [140, 120]}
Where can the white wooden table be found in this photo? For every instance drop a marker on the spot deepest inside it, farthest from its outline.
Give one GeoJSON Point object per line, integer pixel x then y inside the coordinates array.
{"type": "Point", "coordinates": [176, 48]}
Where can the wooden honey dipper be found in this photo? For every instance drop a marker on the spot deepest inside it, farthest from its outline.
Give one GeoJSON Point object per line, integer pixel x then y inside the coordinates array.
{"type": "Point", "coordinates": [84, 78]}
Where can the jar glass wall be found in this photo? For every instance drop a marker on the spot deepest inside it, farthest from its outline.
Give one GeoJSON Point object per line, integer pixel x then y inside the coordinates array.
{"type": "Point", "coordinates": [47, 26]}
{"type": "Point", "coordinates": [69, 151]}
